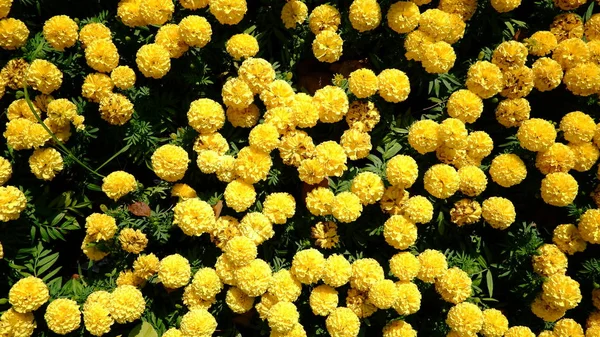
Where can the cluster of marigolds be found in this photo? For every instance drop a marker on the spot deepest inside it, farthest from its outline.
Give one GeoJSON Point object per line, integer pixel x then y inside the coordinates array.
{"type": "Point", "coordinates": [561, 54]}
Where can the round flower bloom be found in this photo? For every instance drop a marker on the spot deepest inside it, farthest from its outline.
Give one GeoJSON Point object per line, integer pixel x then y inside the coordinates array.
{"type": "Point", "coordinates": [399, 232]}
{"type": "Point", "coordinates": [324, 17]}
{"type": "Point", "coordinates": [257, 227]}
{"type": "Point", "coordinates": [169, 162]}
{"type": "Point", "coordinates": [383, 294]}
{"type": "Point", "coordinates": [279, 207]}
{"type": "Point", "coordinates": [13, 34]}
{"type": "Point", "coordinates": [398, 328]}
{"type": "Point", "coordinates": [254, 279]}
{"type": "Point", "coordinates": [243, 118]}
{"type": "Point", "coordinates": [327, 46]}
{"type": "Point", "coordinates": [510, 55]}
{"type": "Point", "coordinates": [156, 12]}
{"type": "Point", "coordinates": [571, 52]}
{"type": "Point", "coordinates": [508, 170]}
{"type": "Point", "coordinates": [589, 226]}
{"type": "Point", "coordinates": [5, 8]}
{"type": "Point", "coordinates": [414, 44]}
{"type": "Point", "coordinates": [436, 23]}
{"type": "Point", "coordinates": [357, 302]}
{"type": "Point", "coordinates": [365, 15]}
{"type": "Point", "coordinates": [257, 73]}
{"type": "Point", "coordinates": [92, 32]}
{"type": "Point", "coordinates": [13, 323]}
{"type": "Point", "coordinates": [116, 109]}
{"type": "Point", "coordinates": [402, 171]}
{"type": "Point", "coordinates": [541, 43]}
{"type": "Point", "coordinates": [547, 74]}
{"type": "Point", "coordinates": [126, 304]}
{"type": "Point", "coordinates": [518, 82]}
{"type": "Point", "coordinates": [129, 13]}
{"type": "Point", "coordinates": [362, 116]}
{"type": "Point", "coordinates": [365, 273]}
{"type": "Point", "coordinates": [423, 136]}
{"type": "Point", "coordinates": [567, 327]}
{"type": "Point", "coordinates": [567, 25]}
{"type": "Point", "coordinates": [308, 266]}
{"type": "Point", "coordinates": [133, 241]}
{"type": "Point", "coordinates": [118, 184]}
{"type": "Point", "coordinates": [236, 94]}
{"type": "Point", "coordinates": [22, 133]}
{"type": "Point", "coordinates": [228, 12]}
{"type": "Point", "coordinates": [169, 36]}
{"type": "Point", "coordinates": [403, 17]}
{"type": "Point", "coordinates": [519, 331]}
{"type": "Point", "coordinates": [512, 112]}
{"type": "Point", "coordinates": [472, 180]}
{"type": "Point", "coordinates": [453, 133]}
{"type": "Point", "coordinates": [504, 6]}
{"type": "Point", "coordinates": [194, 217]}
{"type": "Point", "coordinates": [241, 46]}
{"type": "Point", "coordinates": [409, 298]}
{"type": "Point", "coordinates": [240, 251]}
{"type": "Point", "coordinates": [323, 300]}
{"type": "Point", "coordinates": [61, 32]}
{"type": "Point", "coordinates": [238, 301]}
{"type": "Point", "coordinates": [393, 200]}
{"type": "Point", "coordinates": [174, 271]}
{"type": "Point", "coordinates": [153, 60]}
{"type": "Point", "coordinates": [346, 207]}
{"type": "Point", "coordinates": [331, 158]}
{"type": "Point", "coordinates": [293, 13]}
{"type": "Point", "coordinates": [405, 266]}
{"type": "Point", "coordinates": [559, 189]}
{"type": "Point", "coordinates": [498, 212]}
{"type": "Point", "coordinates": [549, 261]}
{"type": "Point", "coordinates": [45, 163]}
{"type": "Point", "coordinates": [145, 266]}
{"type": "Point", "coordinates": [567, 238]}
{"type": "Point", "coordinates": [13, 73]}
{"type": "Point", "coordinates": [585, 154]}
{"type": "Point", "coordinates": [557, 158]}
{"type": "Point", "coordinates": [28, 294]}
{"type": "Point", "coordinates": [441, 181]}
{"type": "Point", "coordinates": [277, 94]}
{"type": "Point", "coordinates": [206, 283]}
{"type": "Point", "coordinates": [368, 187]}
{"type": "Point", "coordinates": [63, 316]}
{"type": "Point", "coordinates": [280, 116]}
{"type": "Point", "coordinates": [592, 28]}
{"type": "Point", "coordinates": [432, 265]}
{"type": "Point", "coordinates": [331, 103]}
{"type": "Point", "coordinates": [495, 323]}
{"type": "Point", "coordinates": [44, 76]}
{"type": "Point", "coordinates": [545, 311]}
{"type": "Point", "coordinates": [172, 332]}
{"type": "Point", "coordinates": [239, 195]}
{"type": "Point", "coordinates": [195, 31]}
{"type": "Point", "coordinates": [305, 115]}
{"type": "Point", "coordinates": [198, 323]}
{"type": "Point", "coordinates": [296, 146]}
{"type": "Point", "coordinates": [363, 83]}
{"type": "Point", "coordinates": [319, 201]}
{"type": "Point", "coordinates": [394, 85]}
{"type": "Point", "coordinates": [284, 286]}
{"type": "Point", "coordinates": [342, 322]}
{"type": "Point", "coordinates": [206, 115]}
{"type": "Point", "coordinates": [485, 79]}
{"type": "Point", "coordinates": [96, 86]}
{"type": "Point", "coordinates": [102, 56]}
{"type": "Point", "coordinates": [438, 57]}
{"type": "Point", "coordinates": [582, 79]}
{"type": "Point", "coordinates": [264, 137]}
{"type": "Point", "coordinates": [13, 203]}
{"type": "Point", "coordinates": [192, 299]}
{"type": "Point", "coordinates": [465, 106]}
{"type": "Point", "coordinates": [123, 77]}
{"type": "Point", "coordinates": [336, 271]}
{"type": "Point", "coordinates": [454, 285]}
{"type": "Point", "coordinates": [465, 212]}
{"type": "Point", "coordinates": [252, 165]}
{"type": "Point", "coordinates": [325, 234]}
{"type": "Point", "coordinates": [465, 318]}
{"type": "Point", "coordinates": [577, 127]}
{"type": "Point", "coordinates": [96, 315]}
{"type": "Point", "coordinates": [5, 170]}
{"type": "Point", "coordinates": [567, 5]}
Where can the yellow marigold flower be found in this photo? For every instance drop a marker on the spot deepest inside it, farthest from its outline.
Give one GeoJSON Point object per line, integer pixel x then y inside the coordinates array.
{"type": "Point", "coordinates": [45, 163]}
{"type": "Point", "coordinates": [549, 261]}
{"type": "Point", "coordinates": [277, 94]}
{"type": "Point", "coordinates": [156, 12]}
{"type": "Point", "coordinates": [319, 201]}
{"type": "Point", "coordinates": [585, 154]}
{"type": "Point", "coordinates": [519, 331]}
{"type": "Point", "coordinates": [264, 137]}
{"type": "Point", "coordinates": [567, 238]}
{"type": "Point", "coordinates": [237, 94]}
{"type": "Point", "coordinates": [206, 115]}
{"type": "Point", "coordinates": [498, 212]}
{"type": "Point", "coordinates": [153, 60]}
{"type": "Point", "coordinates": [195, 31]}
{"type": "Point", "coordinates": [465, 212]}
{"type": "Point", "coordinates": [129, 13]}
{"type": "Point", "coordinates": [226, 270]}
{"type": "Point", "coordinates": [257, 73]}
{"type": "Point", "coordinates": [283, 316]}
{"type": "Point", "coordinates": [545, 311]}
{"type": "Point", "coordinates": [242, 46]}
{"type": "Point", "coordinates": [571, 52]}
{"type": "Point", "coordinates": [510, 55]}
{"type": "Point", "coordinates": [253, 165]}
{"type": "Point", "coordinates": [559, 189]}
{"type": "Point", "coordinates": [356, 144]}
{"type": "Point", "coordinates": [342, 322]}
{"type": "Point", "coordinates": [23, 134]}
{"type": "Point", "coordinates": [362, 116]}
{"type": "Point", "coordinates": [363, 83]}
{"type": "Point", "coordinates": [589, 226]}
{"type": "Point", "coordinates": [541, 43]}
{"type": "Point", "coordinates": [325, 234]}
{"type": "Point", "coordinates": [127, 277]}
{"type": "Point", "coordinates": [28, 294]}
{"type": "Point", "coordinates": [254, 279]}
{"type": "Point", "coordinates": [432, 265]}
{"type": "Point", "coordinates": [403, 17]}
{"type": "Point", "coordinates": [206, 283]}
{"type": "Point", "coordinates": [13, 323]}
{"type": "Point", "coordinates": [13, 73]}
{"type": "Point", "coordinates": [5, 8]}
{"type": "Point", "coordinates": [336, 271]}
{"type": "Point", "coordinates": [96, 316]}
{"type": "Point", "coordinates": [281, 116]}
{"type": "Point", "coordinates": [365, 15]}
{"type": "Point", "coordinates": [96, 86]}
{"type": "Point", "coordinates": [100, 227]}
{"type": "Point", "coordinates": [414, 44]}
{"type": "Point", "coordinates": [513, 112]}
{"type": "Point", "coordinates": [582, 79]}
{"type": "Point", "coordinates": [13, 202]}
{"type": "Point", "coordinates": [44, 76]}
{"type": "Point", "coordinates": [211, 141]}
{"type": "Point", "coordinates": [423, 136]}
{"type": "Point", "coordinates": [567, 25]}
{"type": "Point", "coordinates": [308, 266]}
{"type": "Point", "coordinates": [92, 32]}
{"type": "Point", "coordinates": [208, 161]}
{"type": "Point", "coordinates": [518, 82]}
{"type": "Point", "coordinates": [438, 57]}
{"type": "Point", "coordinates": [238, 301]}
{"type": "Point", "coordinates": [194, 217]}
{"type": "Point", "coordinates": [435, 23]}
{"type": "Point", "coordinates": [293, 13]}
{"type": "Point", "coordinates": [346, 207]}
{"type": "Point", "coordinates": [228, 12]}
{"type": "Point", "coordinates": [174, 271]}
{"type": "Point", "coordinates": [465, 106]}
{"type": "Point", "coordinates": [13, 34]}
{"type": "Point", "coordinates": [402, 171]}
{"type": "Point", "coordinates": [399, 232]}
{"type": "Point", "coordinates": [472, 180]}
{"type": "Point", "coordinates": [441, 181]}
{"type": "Point", "coordinates": [508, 170]}
{"type": "Point", "coordinates": [243, 118]}
{"type": "Point", "coordinates": [92, 251]}
{"type": "Point", "coordinates": [311, 171]}
{"type": "Point", "coordinates": [226, 170]}
{"type": "Point", "coordinates": [495, 323]}
{"type": "Point", "coordinates": [557, 158]}
{"type": "Point", "coordinates": [170, 162]}
{"type": "Point", "coordinates": [102, 55]}
{"type": "Point", "coordinates": [332, 157]}
{"type": "Point", "coordinates": [454, 285]}
{"type": "Point", "coordinates": [257, 227]}
{"type": "Point", "coordinates": [169, 36]}
{"type": "Point", "coordinates": [239, 195]}
{"type": "Point", "coordinates": [465, 318]}
{"type": "Point", "coordinates": [284, 286]}
{"type": "Point", "coordinates": [172, 332]}
{"type": "Point", "coordinates": [561, 292]}
{"type": "Point", "coordinates": [368, 187]}
{"type": "Point", "coordinates": [123, 77]}
{"type": "Point", "coordinates": [116, 109]}
{"type": "Point", "coordinates": [5, 170]}
{"type": "Point", "coordinates": [547, 74]}
{"type": "Point", "coordinates": [327, 46]}
{"type": "Point", "coordinates": [567, 327]}
{"type": "Point", "coordinates": [453, 133]}
{"type": "Point", "coordinates": [198, 322]}
{"type": "Point", "coordinates": [399, 328]}
{"type": "Point", "coordinates": [484, 79]}
{"type": "Point", "coordinates": [303, 110]}
{"type": "Point", "coordinates": [126, 304]}
{"type": "Point", "coordinates": [409, 298]}
{"type": "Point", "coordinates": [133, 241]}
{"type": "Point", "coordinates": [323, 300]}
{"type": "Point", "coordinates": [567, 5]}
{"type": "Point", "coordinates": [357, 302]}
{"type": "Point", "coordinates": [240, 251]}
{"type": "Point", "coordinates": [405, 266]}
{"type": "Point", "coordinates": [393, 200]}
{"type": "Point", "coordinates": [365, 273]}
{"type": "Point", "coordinates": [279, 207]}
{"type": "Point", "coordinates": [324, 17]}
{"type": "Point", "coordinates": [145, 266]}
{"type": "Point", "coordinates": [331, 103]}
{"type": "Point", "coordinates": [193, 4]}
{"type": "Point", "coordinates": [504, 6]}
{"type": "Point", "coordinates": [118, 184]}
{"type": "Point", "coordinates": [394, 85]}
{"type": "Point", "coordinates": [61, 32]}
{"type": "Point", "coordinates": [383, 294]}
{"type": "Point", "coordinates": [63, 316]}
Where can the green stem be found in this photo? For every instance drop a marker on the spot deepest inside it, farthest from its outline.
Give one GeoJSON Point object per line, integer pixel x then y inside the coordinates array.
{"type": "Point", "coordinates": [125, 148]}
{"type": "Point", "coordinates": [56, 140]}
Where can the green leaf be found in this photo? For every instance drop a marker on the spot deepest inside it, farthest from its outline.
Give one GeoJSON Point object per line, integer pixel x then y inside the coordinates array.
{"type": "Point", "coordinates": [490, 282]}
{"type": "Point", "coordinates": [143, 330]}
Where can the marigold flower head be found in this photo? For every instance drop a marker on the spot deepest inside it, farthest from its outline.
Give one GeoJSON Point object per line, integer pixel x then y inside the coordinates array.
{"type": "Point", "coordinates": [12, 203]}
{"type": "Point", "coordinates": [441, 181]}
{"type": "Point", "coordinates": [239, 195]}
{"type": "Point", "coordinates": [198, 323]}
{"type": "Point", "coordinates": [100, 227]}
{"type": "Point", "coordinates": [284, 286]}
{"type": "Point", "coordinates": [240, 251]}
{"type": "Point", "coordinates": [342, 322]}
{"type": "Point", "coordinates": [257, 73]}
{"type": "Point", "coordinates": [545, 311]}
{"type": "Point", "coordinates": [567, 5]}
{"type": "Point", "coordinates": [327, 46]}
{"type": "Point", "coordinates": [324, 17]}
{"type": "Point", "coordinates": [423, 136]}
{"type": "Point", "coordinates": [399, 328]}
{"type": "Point", "coordinates": [61, 32]}
{"type": "Point", "coordinates": [495, 323]}
{"type": "Point", "coordinates": [549, 261]}
{"type": "Point", "coordinates": [145, 266]}
{"type": "Point", "coordinates": [5, 170]}
{"type": "Point", "coordinates": [582, 79]}
{"type": "Point", "coordinates": [116, 109]}
{"type": "Point", "coordinates": [242, 46]}
{"type": "Point", "coordinates": [192, 299]}
{"type": "Point", "coordinates": [368, 187]}
{"type": "Point", "coordinates": [293, 13]}
{"type": "Point", "coordinates": [541, 43]}
{"type": "Point", "coordinates": [485, 79]}
{"type": "Point", "coordinates": [438, 57]}
{"type": "Point", "coordinates": [504, 6]}
{"type": "Point", "coordinates": [277, 94]}
{"type": "Point", "coordinates": [254, 279]}
{"type": "Point", "coordinates": [194, 217]}
{"type": "Point", "coordinates": [28, 294]}
{"type": "Point", "coordinates": [156, 12]}
{"type": "Point", "coordinates": [559, 189]}
{"type": "Point", "coordinates": [465, 318]}
{"type": "Point", "coordinates": [13, 73]}
{"type": "Point", "coordinates": [402, 171]}
{"type": "Point", "coordinates": [394, 85]}
{"type": "Point", "coordinates": [279, 207]}
{"type": "Point", "coordinates": [586, 155]}
{"type": "Point", "coordinates": [174, 271]}
{"type": "Point", "coordinates": [133, 241]}
{"type": "Point", "coordinates": [567, 327]}
{"type": "Point", "coordinates": [561, 292]}
{"type": "Point", "coordinates": [508, 170]}
{"type": "Point", "coordinates": [195, 31]}
{"type": "Point", "coordinates": [547, 74]}
{"type": "Point", "coordinates": [44, 76]}
{"type": "Point", "coordinates": [519, 331]}
{"type": "Point", "coordinates": [257, 227]}
{"type": "Point", "coordinates": [567, 238]}
{"type": "Point", "coordinates": [346, 207]}
{"type": "Point", "coordinates": [383, 294]}
{"type": "Point", "coordinates": [589, 226]}
{"type": "Point", "coordinates": [399, 232]}
{"type": "Point", "coordinates": [465, 106]}
{"type": "Point", "coordinates": [170, 162]}
{"type": "Point", "coordinates": [102, 55]}
{"type": "Point", "coordinates": [365, 273]}
{"type": "Point", "coordinates": [414, 44]}
{"type": "Point", "coordinates": [118, 184]}
{"type": "Point", "coordinates": [96, 86]}
{"type": "Point", "coordinates": [308, 266]}
{"type": "Point", "coordinates": [169, 36]}
{"type": "Point", "coordinates": [365, 15]}
{"type": "Point", "coordinates": [325, 234]}
{"type": "Point", "coordinates": [557, 158]}
{"type": "Point", "coordinates": [336, 271]}
{"type": "Point", "coordinates": [13, 33]}
{"type": "Point", "coordinates": [403, 17]}
{"type": "Point", "coordinates": [153, 60]}
{"type": "Point", "coordinates": [206, 115]}
{"type": "Point", "coordinates": [92, 32]}
{"type": "Point", "coordinates": [126, 304]}
{"type": "Point", "coordinates": [571, 52]}
{"type": "Point", "coordinates": [357, 301]}
{"type": "Point", "coordinates": [510, 55]}
{"type": "Point", "coordinates": [45, 163]}
{"type": "Point", "coordinates": [238, 301]}
{"type": "Point", "coordinates": [96, 316]}
{"type": "Point", "coordinates": [228, 12]}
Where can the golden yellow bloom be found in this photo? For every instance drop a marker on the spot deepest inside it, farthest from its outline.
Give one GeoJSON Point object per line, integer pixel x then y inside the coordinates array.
{"type": "Point", "coordinates": [342, 322]}
{"type": "Point", "coordinates": [174, 271]}
{"type": "Point", "coordinates": [567, 25]}
{"type": "Point", "coordinates": [363, 83]}
{"type": "Point", "coordinates": [283, 316]}
{"type": "Point", "coordinates": [13, 73]}
{"type": "Point", "coordinates": [357, 302]}
{"type": "Point", "coordinates": [399, 232]}
{"type": "Point", "coordinates": [327, 46]}
{"type": "Point", "coordinates": [441, 181]}
{"type": "Point", "coordinates": [365, 15]}
{"type": "Point", "coordinates": [239, 195]}
{"type": "Point", "coordinates": [116, 109]}
{"type": "Point", "coordinates": [5, 8]}
{"type": "Point", "coordinates": [13, 323]}
{"type": "Point", "coordinates": [44, 76]}
{"type": "Point", "coordinates": [394, 85]}
{"type": "Point", "coordinates": [63, 316]}
{"type": "Point", "coordinates": [323, 300]}
{"type": "Point", "coordinates": [567, 5]}
{"type": "Point", "coordinates": [545, 311]}
{"type": "Point", "coordinates": [241, 46]}
{"type": "Point", "coordinates": [45, 163]}
{"type": "Point", "coordinates": [118, 184]}
{"type": "Point", "coordinates": [368, 187]}
{"type": "Point", "coordinates": [405, 266]}
{"type": "Point", "coordinates": [409, 298]}
{"type": "Point", "coordinates": [195, 31]}
{"type": "Point", "coordinates": [557, 158]}
{"type": "Point", "coordinates": [498, 212]}
{"type": "Point", "coordinates": [284, 286]}
{"type": "Point", "coordinates": [549, 261]}
{"type": "Point", "coordinates": [559, 189]}
{"type": "Point", "coordinates": [454, 285]}
{"type": "Point", "coordinates": [5, 170]}
{"type": "Point", "coordinates": [336, 271]}
{"type": "Point", "coordinates": [153, 60]}
{"type": "Point", "coordinates": [96, 314]}
{"type": "Point", "coordinates": [547, 74]}
{"type": "Point", "coordinates": [356, 144]}
{"type": "Point", "coordinates": [541, 43]}
{"type": "Point", "coordinates": [100, 227]}
{"type": "Point", "coordinates": [495, 323]}
{"type": "Point", "coordinates": [567, 238]}
{"type": "Point", "coordinates": [236, 94]}
{"type": "Point", "coordinates": [294, 12]}
{"type": "Point", "coordinates": [61, 32]}
{"type": "Point", "coordinates": [518, 82]}
{"type": "Point", "coordinates": [324, 17]}
{"type": "Point", "coordinates": [133, 241]}
{"type": "Point", "coordinates": [169, 36]}
{"type": "Point", "coordinates": [503, 6]}
{"type": "Point", "coordinates": [438, 57]}
{"type": "Point", "coordinates": [582, 79]}
{"type": "Point", "coordinates": [561, 292]}
{"type": "Point", "coordinates": [194, 217]}
{"type": "Point", "coordinates": [589, 226]}
{"type": "Point", "coordinates": [96, 86]}
{"type": "Point", "coordinates": [102, 55]}
{"type": "Point", "coordinates": [571, 52]}
{"type": "Point", "coordinates": [170, 162]}
{"type": "Point", "coordinates": [346, 207]}
{"type": "Point", "coordinates": [156, 12]}
{"type": "Point", "coordinates": [243, 118]}
{"type": "Point", "coordinates": [365, 273]}
{"type": "Point", "coordinates": [465, 106]}
{"type": "Point", "coordinates": [145, 266]}
{"type": "Point", "coordinates": [308, 266]}
{"type": "Point", "coordinates": [484, 79]}
{"type": "Point", "coordinates": [238, 301]}
{"type": "Point", "coordinates": [567, 327]}
{"type": "Point", "coordinates": [12, 203]}
{"type": "Point", "coordinates": [193, 4]}
{"type": "Point", "coordinates": [383, 294]}
{"type": "Point", "coordinates": [510, 55]}
{"type": "Point", "coordinates": [197, 323]}
{"type": "Point", "coordinates": [279, 207]}
{"type": "Point", "coordinates": [206, 283]}
{"type": "Point", "coordinates": [253, 165]}
{"type": "Point", "coordinates": [585, 154]}
{"type": "Point", "coordinates": [13, 34]}
{"type": "Point", "coordinates": [228, 12]}
{"type": "Point", "coordinates": [257, 73]}
{"type": "Point", "coordinates": [508, 170]}
{"type": "Point", "coordinates": [414, 44]}
{"type": "Point", "coordinates": [254, 279]}
{"type": "Point", "coordinates": [240, 251]}
{"type": "Point", "coordinates": [325, 234]}
{"type": "Point", "coordinates": [206, 115]}
{"type": "Point", "coordinates": [28, 294]}
{"type": "Point", "coordinates": [257, 227]}
{"type": "Point", "coordinates": [403, 17]}
{"type": "Point", "coordinates": [92, 32]}
{"type": "Point", "coordinates": [423, 136]}
{"type": "Point", "coordinates": [465, 318]}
